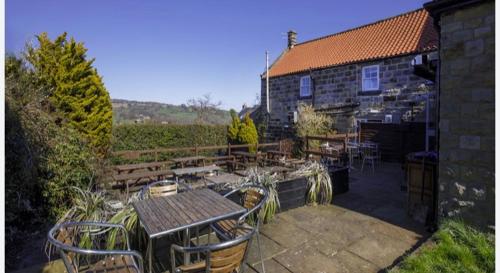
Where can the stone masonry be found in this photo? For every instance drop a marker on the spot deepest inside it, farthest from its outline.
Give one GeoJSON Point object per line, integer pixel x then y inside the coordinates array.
{"type": "Point", "coordinates": [467, 114]}
{"type": "Point", "coordinates": [340, 86]}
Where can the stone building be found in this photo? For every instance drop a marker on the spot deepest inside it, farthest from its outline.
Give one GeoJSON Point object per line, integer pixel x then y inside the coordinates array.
{"type": "Point", "coordinates": [379, 72]}
{"type": "Point", "coordinates": [467, 109]}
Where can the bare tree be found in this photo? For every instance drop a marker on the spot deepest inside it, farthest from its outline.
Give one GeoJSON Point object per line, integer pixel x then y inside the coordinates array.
{"type": "Point", "coordinates": [203, 106]}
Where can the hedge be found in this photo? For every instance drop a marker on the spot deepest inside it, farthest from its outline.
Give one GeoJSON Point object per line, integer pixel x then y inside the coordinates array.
{"type": "Point", "coordinates": [152, 136]}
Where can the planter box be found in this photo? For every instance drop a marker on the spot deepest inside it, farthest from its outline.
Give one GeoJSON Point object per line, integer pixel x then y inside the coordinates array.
{"type": "Point", "coordinates": [340, 179]}
{"type": "Point", "coordinates": [292, 193]}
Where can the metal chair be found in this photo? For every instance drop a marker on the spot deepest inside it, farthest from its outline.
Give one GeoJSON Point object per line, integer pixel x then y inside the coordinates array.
{"type": "Point", "coordinates": [254, 197]}
{"type": "Point", "coordinates": [67, 238]}
{"type": "Point", "coordinates": [226, 257]}
{"type": "Point", "coordinates": [369, 153]}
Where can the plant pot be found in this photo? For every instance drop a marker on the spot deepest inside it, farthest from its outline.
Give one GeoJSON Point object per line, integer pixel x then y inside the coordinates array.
{"type": "Point", "coordinates": [292, 193]}
{"type": "Point", "coordinates": [340, 179]}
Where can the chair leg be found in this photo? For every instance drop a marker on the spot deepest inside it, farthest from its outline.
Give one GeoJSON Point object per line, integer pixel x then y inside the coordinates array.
{"type": "Point", "coordinates": [260, 252]}
{"type": "Point", "coordinates": [362, 164]}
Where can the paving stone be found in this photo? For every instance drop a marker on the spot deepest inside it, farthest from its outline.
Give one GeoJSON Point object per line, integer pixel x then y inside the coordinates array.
{"type": "Point", "coordinates": [269, 249]}
{"type": "Point", "coordinates": [397, 232]}
{"type": "Point", "coordinates": [306, 259]}
{"type": "Point", "coordinates": [271, 266]}
{"type": "Point", "coordinates": [350, 263]}
{"type": "Point", "coordinates": [285, 233]}
{"type": "Point", "coordinates": [379, 249]}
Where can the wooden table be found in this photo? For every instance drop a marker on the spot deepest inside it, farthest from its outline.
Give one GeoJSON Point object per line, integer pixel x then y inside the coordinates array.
{"type": "Point", "coordinates": [272, 154]}
{"type": "Point", "coordinates": [195, 170]}
{"type": "Point", "coordinates": [245, 156]}
{"type": "Point", "coordinates": [130, 168]}
{"type": "Point", "coordinates": [226, 178]}
{"type": "Point", "coordinates": [164, 215]}
{"type": "Point", "coordinates": [181, 161]}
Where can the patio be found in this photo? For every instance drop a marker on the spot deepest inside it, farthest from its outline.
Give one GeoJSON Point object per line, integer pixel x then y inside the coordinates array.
{"type": "Point", "coordinates": [366, 230]}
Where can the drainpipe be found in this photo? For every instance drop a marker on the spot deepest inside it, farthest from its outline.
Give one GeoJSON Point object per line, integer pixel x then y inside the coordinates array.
{"type": "Point", "coordinates": [267, 82]}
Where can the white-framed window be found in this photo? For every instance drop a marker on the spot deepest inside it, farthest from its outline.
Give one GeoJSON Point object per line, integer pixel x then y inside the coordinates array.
{"type": "Point", "coordinates": [305, 86]}
{"type": "Point", "coordinates": [370, 78]}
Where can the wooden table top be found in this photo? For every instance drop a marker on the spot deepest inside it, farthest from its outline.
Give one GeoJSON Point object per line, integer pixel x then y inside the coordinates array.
{"type": "Point", "coordinates": [139, 175]}
{"type": "Point", "coordinates": [194, 170]}
{"type": "Point", "coordinates": [275, 152]}
{"type": "Point", "coordinates": [190, 158]}
{"type": "Point", "coordinates": [278, 169]}
{"type": "Point", "coordinates": [129, 167]}
{"type": "Point", "coordinates": [167, 214]}
{"type": "Point", "coordinates": [223, 178]}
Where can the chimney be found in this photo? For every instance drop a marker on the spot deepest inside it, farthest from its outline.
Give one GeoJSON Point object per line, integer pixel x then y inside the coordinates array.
{"type": "Point", "coordinates": [292, 39]}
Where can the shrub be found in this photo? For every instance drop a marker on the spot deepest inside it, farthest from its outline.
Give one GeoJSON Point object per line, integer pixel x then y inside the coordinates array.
{"type": "Point", "coordinates": [248, 134]}
{"type": "Point", "coordinates": [152, 136]}
{"type": "Point", "coordinates": [311, 123]}
{"type": "Point", "coordinates": [43, 159]}
{"type": "Point", "coordinates": [234, 127]}
{"type": "Point", "coordinates": [243, 131]}
{"type": "Point", "coordinates": [76, 91]}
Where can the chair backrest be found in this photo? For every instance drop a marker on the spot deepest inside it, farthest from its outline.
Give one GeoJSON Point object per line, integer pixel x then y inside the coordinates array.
{"type": "Point", "coordinates": [159, 188]}
{"type": "Point", "coordinates": [67, 238]}
{"type": "Point", "coordinates": [251, 198]}
{"type": "Point", "coordinates": [227, 260]}
{"type": "Point", "coordinates": [286, 145]}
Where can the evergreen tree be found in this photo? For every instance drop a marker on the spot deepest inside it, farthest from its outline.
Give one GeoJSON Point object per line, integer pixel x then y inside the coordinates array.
{"type": "Point", "coordinates": [75, 90]}
{"type": "Point", "coordinates": [248, 133]}
{"type": "Point", "coordinates": [234, 128]}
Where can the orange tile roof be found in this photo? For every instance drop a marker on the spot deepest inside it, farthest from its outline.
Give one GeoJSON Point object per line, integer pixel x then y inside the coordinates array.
{"type": "Point", "coordinates": [407, 33]}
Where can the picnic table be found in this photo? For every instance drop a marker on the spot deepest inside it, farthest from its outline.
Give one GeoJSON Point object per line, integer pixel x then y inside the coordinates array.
{"type": "Point", "coordinates": [182, 161]}
{"type": "Point", "coordinates": [275, 153]}
{"type": "Point", "coordinates": [246, 156]}
{"type": "Point", "coordinates": [150, 166]}
{"type": "Point", "coordinates": [168, 214]}
{"type": "Point", "coordinates": [135, 177]}
{"type": "Point", "coordinates": [195, 170]}
{"type": "Point", "coordinates": [222, 179]}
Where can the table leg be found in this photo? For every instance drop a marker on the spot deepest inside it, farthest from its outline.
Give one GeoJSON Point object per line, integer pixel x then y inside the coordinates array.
{"type": "Point", "coordinates": [150, 255]}
{"type": "Point", "coordinates": [186, 244]}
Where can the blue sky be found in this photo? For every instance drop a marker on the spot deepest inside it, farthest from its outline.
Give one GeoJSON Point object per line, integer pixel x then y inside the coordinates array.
{"type": "Point", "coordinates": [171, 51]}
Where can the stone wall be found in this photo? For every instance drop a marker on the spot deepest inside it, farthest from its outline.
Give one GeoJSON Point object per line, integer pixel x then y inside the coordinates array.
{"type": "Point", "coordinates": [341, 86]}
{"type": "Point", "coordinates": [467, 114]}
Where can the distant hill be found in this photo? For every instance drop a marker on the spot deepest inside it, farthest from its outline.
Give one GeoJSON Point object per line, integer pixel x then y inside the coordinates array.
{"type": "Point", "coordinates": [127, 111]}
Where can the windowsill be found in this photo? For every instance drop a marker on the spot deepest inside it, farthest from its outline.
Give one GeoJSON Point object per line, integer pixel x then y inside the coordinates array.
{"type": "Point", "coordinates": [305, 97]}
{"type": "Point", "coordinates": [369, 93]}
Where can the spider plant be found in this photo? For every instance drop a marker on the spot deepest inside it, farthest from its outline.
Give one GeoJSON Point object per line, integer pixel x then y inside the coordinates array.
{"type": "Point", "coordinates": [127, 217]}
{"type": "Point", "coordinates": [88, 206]}
{"type": "Point", "coordinates": [318, 181]}
{"type": "Point", "coordinates": [268, 181]}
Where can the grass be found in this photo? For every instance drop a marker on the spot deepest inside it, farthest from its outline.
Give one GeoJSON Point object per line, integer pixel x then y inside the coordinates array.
{"type": "Point", "coordinates": [456, 248]}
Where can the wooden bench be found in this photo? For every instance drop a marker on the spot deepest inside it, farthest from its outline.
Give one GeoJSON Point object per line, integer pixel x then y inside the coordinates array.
{"type": "Point", "coordinates": [150, 166]}
{"type": "Point", "coordinates": [128, 179]}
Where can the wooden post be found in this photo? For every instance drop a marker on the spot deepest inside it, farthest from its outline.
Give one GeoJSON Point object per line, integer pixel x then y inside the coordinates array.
{"type": "Point", "coordinates": [307, 143]}
{"type": "Point", "coordinates": [196, 149]}
{"type": "Point", "coordinates": [228, 148]}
